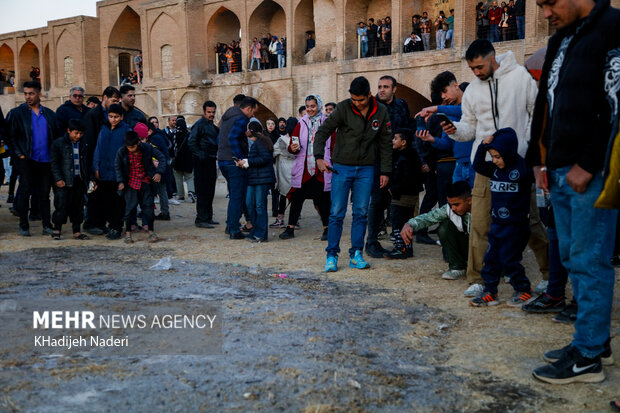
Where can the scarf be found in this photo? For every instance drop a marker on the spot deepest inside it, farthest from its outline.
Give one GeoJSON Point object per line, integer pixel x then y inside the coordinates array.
{"type": "Point", "coordinates": [314, 123]}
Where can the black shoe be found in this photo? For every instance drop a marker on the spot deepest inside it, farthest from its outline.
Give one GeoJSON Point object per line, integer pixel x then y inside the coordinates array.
{"type": "Point", "coordinates": [288, 233]}
{"type": "Point", "coordinates": [13, 211]}
{"type": "Point", "coordinates": [113, 235]}
{"type": "Point", "coordinates": [227, 230]}
{"type": "Point", "coordinates": [545, 304]}
{"type": "Point", "coordinates": [10, 199]}
{"type": "Point", "coordinates": [237, 235]}
{"type": "Point", "coordinates": [47, 231]}
{"type": "Point", "coordinates": [203, 225]}
{"type": "Point", "coordinates": [94, 230]}
{"type": "Point", "coordinates": [212, 222]}
{"type": "Point", "coordinates": [424, 239]}
{"type": "Point", "coordinates": [615, 260]}
{"type": "Point", "coordinates": [376, 250]}
{"type": "Point", "coordinates": [324, 235]}
{"type": "Point", "coordinates": [568, 315]}
{"type": "Point", "coordinates": [24, 232]}
{"type": "Point", "coordinates": [607, 358]}
{"type": "Point", "coordinates": [570, 368]}
{"type": "Point", "coordinates": [397, 254]}
{"type": "Point", "coordinates": [162, 217]}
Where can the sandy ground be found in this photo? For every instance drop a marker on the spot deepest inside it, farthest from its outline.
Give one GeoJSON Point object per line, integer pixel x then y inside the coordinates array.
{"type": "Point", "coordinates": [507, 342]}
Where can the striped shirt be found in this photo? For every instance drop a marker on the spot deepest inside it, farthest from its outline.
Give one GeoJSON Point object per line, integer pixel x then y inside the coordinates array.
{"type": "Point", "coordinates": [76, 158]}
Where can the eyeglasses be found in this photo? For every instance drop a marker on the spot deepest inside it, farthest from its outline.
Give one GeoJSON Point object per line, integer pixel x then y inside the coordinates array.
{"type": "Point", "coordinates": [78, 96]}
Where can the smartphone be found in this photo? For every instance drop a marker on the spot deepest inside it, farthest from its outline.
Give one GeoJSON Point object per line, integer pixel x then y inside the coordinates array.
{"type": "Point", "coordinates": [235, 159]}
{"type": "Point", "coordinates": [444, 118]}
{"type": "Point", "coordinates": [295, 140]}
{"type": "Point", "coordinates": [420, 124]}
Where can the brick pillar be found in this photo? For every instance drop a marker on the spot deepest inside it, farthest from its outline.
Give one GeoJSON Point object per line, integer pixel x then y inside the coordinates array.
{"type": "Point", "coordinates": [464, 22]}
{"type": "Point", "coordinates": [397, 33]}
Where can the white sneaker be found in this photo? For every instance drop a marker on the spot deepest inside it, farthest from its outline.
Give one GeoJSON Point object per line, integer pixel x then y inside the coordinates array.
{"type": "Point", "coordinates": [173, 201]}
{"type": "Point", "coordinates": [156, 200]}
{"type": "Point", "coordinates": [453, 274]}
{"type": "Point", "coordinates": [541, 287]}
{"type": "Point", "coordinates": [473, 290]}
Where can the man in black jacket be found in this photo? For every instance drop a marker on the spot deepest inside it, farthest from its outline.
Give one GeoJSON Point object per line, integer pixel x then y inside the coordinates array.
{"type": "Point", "coordinates": [68, 164]}
{"type": "Point", "coordinates": [93, 122]}
{"type": "Point", "coordinates": [72, 108]}
{"type": "Point", "coordinates": [203, 144]}
{"type": "Point", "coordinates": [132, 114]}
{"type": "Point", "coordinates": [32, 130]}
{"type": "Point", "coordinates": [576, 112]}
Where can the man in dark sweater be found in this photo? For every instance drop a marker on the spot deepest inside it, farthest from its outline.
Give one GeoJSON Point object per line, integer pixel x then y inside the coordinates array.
{"type": "Point", "coordinates": [575, 115]}
{"type": "Point", "coordinates": [73, 108]}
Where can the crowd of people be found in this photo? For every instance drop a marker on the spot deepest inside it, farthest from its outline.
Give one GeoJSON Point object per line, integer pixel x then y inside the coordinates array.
{"type": "Point", "coordinates": [375, 39]}
{"type": "Point", "coordinates": [7, 79]}
{"type": "Point", "coordinates": [502, 162]}
{"type": "Point", "coordinates": [501, 23]}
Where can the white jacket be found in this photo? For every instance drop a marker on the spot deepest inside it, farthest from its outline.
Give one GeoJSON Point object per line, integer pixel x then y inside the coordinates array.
{"type": "Point", "coordinates": [504, 100]}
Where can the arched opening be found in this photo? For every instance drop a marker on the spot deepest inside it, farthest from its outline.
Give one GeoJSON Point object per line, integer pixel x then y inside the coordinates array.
{"type": "Point", "coordinates": [223, 28]}
{"type": "Point", "coordinates": [124, 64]}
{"type": "Point", "coordinates": [263, 113]}
{"type": "Point", "coordinates": [29, 63]}
{"type": "Point", "coordinates": [360, 11]}
{"type": "Point", "coordinates": [304, 28]}
{"type": "Point", "coordinates": [165, 48]}
{"type": "Point", "coordinates": [415, 100]}
{"type": "Point", "coordinates": [47, 68]}
{"type": "Point", "coordinates": [7, 63]}
{"type": "Point", "coordinates": [268, 18]}
{"type": "Point", "coordinates": [125, 37]}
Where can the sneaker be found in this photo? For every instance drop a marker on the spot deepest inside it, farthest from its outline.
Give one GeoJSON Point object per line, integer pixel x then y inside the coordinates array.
{"type": "Point", "coordinates": [173, 201]}
{"type": "Point", "coordinates": [541, 287]}
{"type": "Point", "coordinates": [113, 235]}
{"type": "Point", "coordinates": [128, 240]}
{"type": "Point", "coordinates": [24, 232]}
{"type": "Point", "coordinates": [376, 250]}
{"type": "Point", "coordinates": [162, 217]}
{"type": "Point", "coordinates": [192, 197]}
{"type": "Point", "coordinates": [545, 304]}
{"type": "Point", "coordinates": [473, 290]}
{"type": "Point", "coordinates": [568, 315]}
{"type": "Point", "coordinates": [357, 261]}
{"type": "Point", "coordinates": [180, 199]}
{"type": "Point", "coordinates": [324, 235]}
{"type": "Point", "coordinates": [153, 238]}
{"type": "Point", "coordinates": [237, 235]}
{"type": "Point", "coordinates": [203, 225]}
{"type": "Point", "coordinates": [607, 358]}
{"type": "Point", "coordinates": [331, 263]}
{"type": "Point", "coordinates": [399, 254]}
{"type": "Point", "coordinates": [47, 231]}
{"type": "Point", "coordinates": [453, 274]}
{"type": "Point", "coordinates": [256, 240]}
{"type": "Point", "coordinates": [570, 368]}
{"type": "Point", "coordinates": [288, 233]}
{"type": "Point", "coordinates": [424, 239]}
{"type": "Point", "coordinates": [278, 223]}
{"type": "Point", "coordinates": [484, 299]}
{"type": "Point", "coordinates": [520, 298]}
{"type": "Point", "coordinates": [156, 201]}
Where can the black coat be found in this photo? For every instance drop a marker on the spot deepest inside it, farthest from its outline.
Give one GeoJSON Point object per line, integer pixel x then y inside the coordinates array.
{"type": "Point", "coordinates": [182, 161]}
{"type": "Point", "coordinates": [148, 153]}
{"type": "Point", "coordinates": [407, 175]}
{"type": "Point", "coordinates": [260, 159]}
{"type": "Point", "coordinates": [203, 139]}
{"type": "Point", "coordinates": [61, 158]}
{"type": "Point", "coordinates": [93, 122]}
{"type": "Point", "coordinates": [69, 111]}
{"type": "Point", "coordinates": [20, 129]}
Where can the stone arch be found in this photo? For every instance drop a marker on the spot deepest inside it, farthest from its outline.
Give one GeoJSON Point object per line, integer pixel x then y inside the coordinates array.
{"type": "Point", "coordinates": [125, 37]}
{"type": "Point", "coordinates": [268, 17]}
{"type": "Point", "coordinates": [415, 100]}
{"type": "Point", "coordinates": [326, 32]}
{"type": "Point", "coordinates": [303, 25]}
{"type": "Point", "coordinates": [263, 113]}
{"type": "Point", "coordinates": [147, 104]}
{"type": "Point", "coordinates": [362, 10]}
{"type": "Point", "coordinates": [7, 59]}
{"type": "Point", "coordinates": [164, 46]}
{"type": "Point", "coordinates": [28, 57]}
{"type": "Point", "coordinates": [223, 26]}
{"type": "Point", "coordinates": [65, 49]}
{"type": "Point", "coordinates": [191, 104]}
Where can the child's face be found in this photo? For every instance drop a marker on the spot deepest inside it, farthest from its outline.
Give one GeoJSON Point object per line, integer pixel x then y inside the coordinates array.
{"type": "Point", "coordinates": [132, 148]}
{"type": "Point", "coordinates": [75, 135]}
{"type": "Point", "coordinates": [398, 143]}
{"type": "Point", "coordinates": [460, 206]}
{"type": "Point", "coordinates": [497, 159]}
{"type": "Point", "coordinates": [114, 119]}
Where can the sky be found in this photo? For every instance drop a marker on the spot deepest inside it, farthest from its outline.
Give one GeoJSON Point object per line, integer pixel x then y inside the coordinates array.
{"type": "Point", "coordinates": [30, 14]}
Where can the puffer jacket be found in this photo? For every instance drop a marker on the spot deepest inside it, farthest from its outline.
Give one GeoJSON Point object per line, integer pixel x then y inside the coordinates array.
{"type": "Point", "coordinates": [260, 161]}
{"type": "Point", "coordinates": [61, 161]}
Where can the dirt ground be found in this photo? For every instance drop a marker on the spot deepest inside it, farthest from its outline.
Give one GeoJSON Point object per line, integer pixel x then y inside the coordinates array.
{"type": "Point", "coordinates": [500, 343]}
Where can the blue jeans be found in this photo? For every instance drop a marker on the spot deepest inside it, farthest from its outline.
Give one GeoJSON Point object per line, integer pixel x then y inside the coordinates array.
{"type": "Point", "coordinates": [281, 61]}
{"type": "Point", "coordinates": [237, 180]}
{"type": "Point", "coordinates": [586, 236]}
{"type": "Point", "coordinates": [464, 171]}
{"type": "Point", "coordinates": [494, 33]}
{"type": "Point", "coordinates": [256, 201]}
{"type": "Point", "coordinates": [358, 180]}
{"type": "Point", "coordinates": [450, 36]}
{"type": "Point", "coordinates": [364, 48]}
{"type": "Point", "coordinates": [521, 27]}
{"type": "Point", "coordinates": [254, 59]}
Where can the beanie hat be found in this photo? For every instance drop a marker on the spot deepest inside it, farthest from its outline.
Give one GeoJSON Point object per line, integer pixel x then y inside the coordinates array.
{"type": "Point", "coordinates": [142, 130]}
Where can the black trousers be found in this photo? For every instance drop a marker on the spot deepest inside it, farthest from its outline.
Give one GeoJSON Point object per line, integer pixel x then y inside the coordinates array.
{"type": "Point", "coordinates": [143, 197]}
{"type": "Point", "coordinates": [379, 202]}
{"type": "Point", "coordinates": [205, 177]}
{"type": "Point", "coordinates": [69, 202]}
{"type": "Point", "coordinates": [275, 201]}
{"type": "Point", "coordinates": [311, 189]}
{"type": "Point", "coordinates": [113, 204]}
{"type": "Point", "coordinates": [35, 178]}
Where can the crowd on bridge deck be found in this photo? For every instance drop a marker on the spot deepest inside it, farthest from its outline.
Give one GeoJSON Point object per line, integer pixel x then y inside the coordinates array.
{"type": "Point", "coordinates": [502, 161]}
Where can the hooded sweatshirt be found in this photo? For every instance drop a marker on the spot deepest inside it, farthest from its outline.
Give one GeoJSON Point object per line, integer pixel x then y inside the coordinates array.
{"type": "Point", "coordinates": [224, 152]}
{"type": "Point", "coordinates": [511, 185]}
{"type": "Point", "coordinates": [504, 100]}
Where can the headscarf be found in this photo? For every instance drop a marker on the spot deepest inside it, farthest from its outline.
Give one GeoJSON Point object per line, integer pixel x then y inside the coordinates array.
{"type": "Point", "coordinates": [315, 122]}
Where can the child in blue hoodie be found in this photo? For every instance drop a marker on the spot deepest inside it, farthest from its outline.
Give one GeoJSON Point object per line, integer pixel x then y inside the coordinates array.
{"type": "Point", "coordinates": [110, 140]}
{"type": "Point", "coordinates": [510, 184]}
